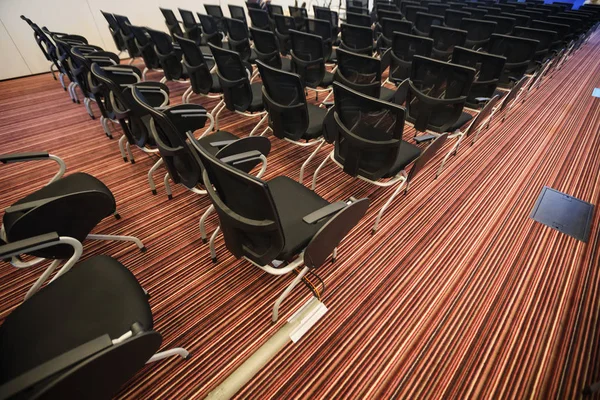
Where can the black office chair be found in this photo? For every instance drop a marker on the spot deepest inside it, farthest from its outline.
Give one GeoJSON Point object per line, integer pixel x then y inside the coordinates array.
{"type": "Point", "coordinates": [308, 61]}
{"type": "Point", "coordinates": [71, 206]}
{"type": "Point", "coordinates": [115, 32]}
{"type": "Point", "coordinates": [404, 48]}
{"type": "Point", "coordinates": [445, 40]}
{"type": "Point", "coordinates": [300, 16]}
{"type": "Point", "coordinates": [192, 29]}
{"type": "Point", "coordinates": [215, 11]}
{"type": "Point", "coordinates": [476, 13]}
{"type": "Point", "coordinates": [520, 20]}
{"type": "Point", "coordinates": [238, 39]}
{"type": "Point", "coordinates": [504, 25]}
{"type": "Point", "coordinates": [438, 9]}
{"type": "Point", "coordinates": [211, 32]}
{"type": "Point", "coordinates": [357, 39]}
{"type": "Point", "coordinates": [128, 38]}
{"type": "Point", "coordinates": [171, 22]}
{"type": "Point", "coordinates": [489, 68]}
{"type": "Point", "coordinates": [203, 81]}
{"type": "Point", "coordinates": [406, 3]}
{"type": "Point", "coordinates": [260, 19]}
{"type": "Point", "coordinates": [331, 16]}
{"type": "Point", "coordinates": [367, 136]}
{"type": "Point", "coordinates": [397, 15]}
{"type": "Point", "coordinates": [479, 32]}
{"type": "Point", "coordinates": [266, 48]}
{"type": "Point", "coordinates": [519, 53]}
{"type": "Point", "coordinates": [388, 27]}
{"type": "Point", "coordinates": [457, 5]}
{"type": "Point", "coordinates": [273, 10]}
{"type": "Point", "coordinates": [453, 18]}
{"type": "Point", "coordinates": [279, 219]}
{"type": "Point", "coordinates": [436, 97]}
{"type": "Point", "coordinates": [92, 329]}
{"type": "Point", "coordinates": [147, 51]}
{"type": "Point", "coordinates": [358, 19]}
{"type": "Point", "coordinates": [283, 25]}
{"type": "Point", "coordinates": [237, 12]}
{"type": "Point", "coordinates": [490, 10]}
{"type": "Point", "coordinates": [169, 58]}
{"type": "Point", "coordinates": [240, 95]}
{"type": "Point", "coordinates": [545, 38]}
{"type": "Point", "coordinates": [322, 28]}
{"type": "Point", "coordinates": [411, 11]}
{"type": "Point", "coordinates": [562, 32]}
{"type": "Point", "coordinates": [424, 22]}
{"type": "Point", "coordinates": [48, 48]}
{"type": "Point", "coordinates": [291, 117]}
{"type": "Point", "coordinates": [363, 74]}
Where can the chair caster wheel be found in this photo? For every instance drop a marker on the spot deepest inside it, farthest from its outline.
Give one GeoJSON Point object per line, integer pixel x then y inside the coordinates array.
{"type": "Point", "coordinates": [214, 260]}
{"type": "Point", "coordinates": [133, 161]}
{"type": "Point", "coordinates": [92, 117]}
{"type": "Point", "coordinates": [154, 192]}
{"type": "Point", "coordinates": [117, 216]}
{"type": "Point", "coordinates": [65, 89]}
{"type": "Point", "coordinates": [143, 249]}
{"type": "Point", "coordinates": [204, 240]}
{"type": "Point", "coordinates": [78, 102]}
{"type": "Point", "coordinates": [333, 260]}
{"type": "Point", "coordinates": [124, 159]}
{"type": "Point", "coordinates": [73, 101]}
{"type": "Point", "coordinates": [170, 197]}
{"type": "Point", "coordinates": [110, 137]}
{"type": "Point", "coordinates": [373, 231]}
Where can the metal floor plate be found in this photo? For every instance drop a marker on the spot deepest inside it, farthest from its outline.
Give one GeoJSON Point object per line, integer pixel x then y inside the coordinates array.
{"type": "Point", "coordinates": [564, 213]}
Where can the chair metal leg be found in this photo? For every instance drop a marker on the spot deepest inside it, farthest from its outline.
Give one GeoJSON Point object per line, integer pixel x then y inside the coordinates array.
{"type": "Point", "coordinates": [61, 79]}
{"type": "Point", "coordinates": [286, 292]}
{"type": "Point", "coordinates": [122, 140]}
{"type": "Point", "coordinates": [88, 107]}
{"type": "Point", "coordinates": [150, 178]}
{"type": "Point", "coordinates": [168, 186]}
{"type": "Point", "coordinates": [144, 72]}
{"type": "Point", "coordinates": [386, 205]}
{"type": "Point", "coordinates": [259, 124]}
{"type": "Point", "coordinates": [105, 127]}
{"type": "Point", "coordinates": [75, 97]}
{"type": "Point", "coordinates": [213, 251]}
{"type": "Point", "coordinates": [203, 219]}
{"type": "Point", "coordinates": [219, 107]}
{"type": "Point", "coordinates": [119, 238]}
{"type": "Point", "coordinates": [305, 163]}
{"type": "Point", "coordinates": [185, 96]}
{"type": "Point", "coordinates": [178, 351]}
{"type": "Point", "coordinates": [40, 281]}
{"type": "Point", "coordinates": [129, 153]}
{"type": "Point", "coordinates": [131, 60]}
{"type": "Point", "coordinates": [163, 80]}
{"type": "Point", "coordinates": [314, 181]}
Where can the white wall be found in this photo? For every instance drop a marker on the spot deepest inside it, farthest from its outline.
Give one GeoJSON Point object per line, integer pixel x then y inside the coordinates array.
{"type": "Point", "coordinates": [20, 55]}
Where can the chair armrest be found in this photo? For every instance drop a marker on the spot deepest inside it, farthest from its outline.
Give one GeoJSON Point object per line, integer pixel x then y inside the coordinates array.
{"type": "Point", "coordinates": [245, 156]}
{"type": "Point", "coordinates": [222, 143]}
{"type": "Point", "coordinates": [424, 138]}
{"type": "Point", "coordinates": [331, 234]}
{"type": "Point", "coordinates": [29, 205]}
{"type": "Point", "coordinates": [19, 246]}
{"type": "Point", "coordinates": [482, 99]}
{"type": "Point", "coordinates": [187, 117]}
{"type": "Point", "coordinates": [16, 157]}
{"type": "Point", "coordinates": [324, 212]}
{"type": "Point", "coordinates": [60, 363]}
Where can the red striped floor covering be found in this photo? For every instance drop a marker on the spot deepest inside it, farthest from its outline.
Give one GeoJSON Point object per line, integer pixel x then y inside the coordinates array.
{"type": "Point", "coordinates": [459, 295]}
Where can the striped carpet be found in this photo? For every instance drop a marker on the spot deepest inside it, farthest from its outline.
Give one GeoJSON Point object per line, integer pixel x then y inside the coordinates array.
{"type": "Point", "coordinates": [459, 295]}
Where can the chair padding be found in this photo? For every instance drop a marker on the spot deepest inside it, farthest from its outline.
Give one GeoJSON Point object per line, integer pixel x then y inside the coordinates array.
{"type": "Point", "coordinates": [62, 316]}
{"type": "Point", "coordinates": [407, 153]}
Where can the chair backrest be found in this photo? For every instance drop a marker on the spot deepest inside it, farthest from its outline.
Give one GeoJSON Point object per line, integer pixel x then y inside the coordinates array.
{"type": "Point", "coordinates": [274, 9]}
{"type": "Point", "coordinates": [328, 15]}
{"type": "Point", "coordinates": [476, 13]}
{"type": "Point", "coordinates": [266, 47]}
{"type": "Point", "coordinates": [214, 10]}
{"type": "Point", "coordinates": [247, 212]}
{"type": "Point", "coordinates": [320, 27]}
{"type": "Point", "coordinates": [210, 29]}
{"type": "Point", "coordinates": [259, 19]}
{"type": "Point", "coordinates": [358, 19]}
{"type": "Point", "coordinates": [457, 5]}
{"type": "Point", "coordinates": [234, 78]}
{"type": "Point", "coordinates": [357, 38]}
{"type": "Point", "coordinates": [444, 41]}
{"type": "Point", "coordinates": [404, 48]}
{"type": "Point", "coordinates": [239, 38]}
{"type": "Point", "coordinates": [359, 72]}
{"type": "Point", "coordinates": [490, 10]}
{"type": "Point", "coordinates": [190, 26]}
{"type": "Point", "coordinates": [515, 49]}
{"type": "Point", "coordinates": [453, 18]}
{"type": "Point", "coordinates": [562, 30]}
{"type": "Point", "coordinates": [488, 66]}
{"type": "Point", "coordinates": [128, 37]}
{"type": "Point", "coordinates": [170, 60]}
{"type": "Point", "coordinates": [285, 100]}
{"type": "Point", "coordinates": [308, 57]}
{"type": "Point", "coordinates": [284, 24]}
{"type": "Point", "coordinates": [237, 12]}
{"type": "Point", "coordinates": [115, 30]}
{"type": "Point", "coordinates": [545, 37]}
{"type": "Point", "coordinates": [300, 16]}
{"type": "Point", "coordinates": [479, 32]}
{"type": "Point", "coordinates": [197, 69]}
{"type": "Point", "coordinates": [520, 19]}
{"type": "Point", "coordinates": [425, 21]}
{"type": "Point", "coordinates": [368, 133]}
{"type": "Point", "coordinates": [438, 92]}
{"type": "Point", "coordinates": [389, 26]}
{"type": "Point", "coordinates": [504, 25]}
{"type": "Point", "coordinates": [411, 11]}
{"type": "Point", "coordinates": [406, 3]}
{"type": "Point", "coordinates": [143, 42]}
{"type": "Point", "coordinates": [438, 8]}
{"type": "Point", "coordinates": [171, 21]}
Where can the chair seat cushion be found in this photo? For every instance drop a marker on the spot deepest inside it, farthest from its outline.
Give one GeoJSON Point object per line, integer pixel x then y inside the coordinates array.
{"type": "Point", "coordinates": [257, 100]}
{"type": "Point", "coordinates": [386, 94]}
{"type": "Point", "coordinates": [463, 119]}
{"type": "Point", "coordinates": [316, 116]}
{"type": "Point", "coordinates": [407, 153]}
{"type": "Point", "coordinates": [98, 296]}
{"type": "Point", "coordinates": [294, 201]}
{"type": "Point", "coordinates": [218, 136]}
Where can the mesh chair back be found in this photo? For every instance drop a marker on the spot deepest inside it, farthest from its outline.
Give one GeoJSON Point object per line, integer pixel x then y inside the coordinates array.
{"type": "Point", "coordinates": [323, 29]}
{"type": "Point", "coordinates": [389, 26]}
{"type": "Point", "coordinates": [357, 38]}
{"type": "Point", "coordinates": [438, 92]}
{"type": "Point", "coordinates": [411, 12]}
{"type": "Point", "coordinates": [397, 15]}
{"type": "Point", "coordinates": [115, 31]}
{"type": "Point", "coordinates": [520, 20]}
{"type": "Point", "coordinates": [300, 16]}
{"type": "Point", "coordinates": [438, 9]}
{"type": "Point", "coordinates": [328, 15]}
{"type": "Point", "coordinates": [479, 32]}
{"type": "Point", "coordinates": [171, 21]}
{"type": "Point", "coordinates": [515, 49]}
{"type": "Point", "coordinates": [359, 72]}
{"type": "Point", "coordinates": [239, 39]}
{"type": "Point", "coordinates": [237, 12]}
{"type": "Point", "coordinates": [266, 47]}
{"type": "Point", "coordinates": [308, 57]}
{"type": "Point", "coordinates": [191, 27]}
{"type": "Point", "coordinates": [195, 64]}
{"type": "Point", "coordinates": [489, 69]}
{"type": "Point", "coordinates": [170, 61]}
{"type": "Point", "coordinates": [491, 10]}
{"type": "Point", "coordinates": [128, 37]}
{"type": "Point", "coordinates": [368, 133]}
{"type": "Point", "coordinates": [247, 212]}
{"type": "Point", "coordinates": [285, 100]}
{"type": "Point", "coordinates": [259, 19]}
{"type": "Point", "coordinates": [214, 10]}
{"type": "Point", "coordinates": [404, 4]}
{"type": "Point", "coordinates": [358, 19]}
{"type": "Point", "coordinates": [444, 41]}
{"type": "Point", "coordinates": [453, 18]}
{"type": "Point", "coordinates": [234, 79]}
{"type": "Point", "coordinates": [545, 37]}
{"type": "Point", "coordinates": [457, 6]}
{"type": "Point", "coordinates": [274, 9]}
{"type": "Point", "coordinates": [210, 29]}
{"type": "Point", "coordinates": [476, 13]}
{"type": "Point", "coordinates": [143, 42]}
{"type": "Point", "coordinates": [404, 48]}
{"type": "Point", "coordinates": [504, 25]}
{"type": "Point", "coordinates": [425, 21]}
